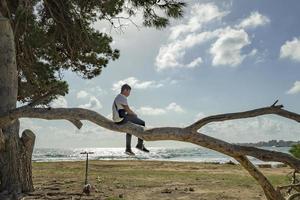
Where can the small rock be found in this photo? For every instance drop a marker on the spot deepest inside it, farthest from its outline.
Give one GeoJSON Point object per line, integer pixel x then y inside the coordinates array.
{"type": "Point", "coordinates": [191, 189]}
{"type": "Point", "coordinates": [121, 196]}
{"type": "Point", "coordinates": [87, 189]}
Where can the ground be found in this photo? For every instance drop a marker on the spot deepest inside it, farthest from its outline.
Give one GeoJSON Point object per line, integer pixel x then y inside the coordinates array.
{"type": "Point", "coordinates": [134, 180]}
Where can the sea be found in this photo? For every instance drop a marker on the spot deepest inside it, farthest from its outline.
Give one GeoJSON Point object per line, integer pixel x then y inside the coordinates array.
{"type": "Point", "coordinates": [182, 154]}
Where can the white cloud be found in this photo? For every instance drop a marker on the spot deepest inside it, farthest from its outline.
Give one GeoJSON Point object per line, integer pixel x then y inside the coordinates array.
{"type": "Point", "coordinates": [195, 62]}
{"type": "Point", "coordinates": [254, 129]}
{"type": "Point", "coordinates": [295, 89]}
{"type": "Point", "coordinates": [227, 42]}
{"type": "Point", "coordinates": [148, 110]}
{"type": "Point", "coordinates": [254, 20]}
{"type": "Point", "coordinates": [81, 94]}
{"type": "Point", "coordinates": [93, 103]}
{"type": "Point", "coordinates": [199, 15]}
{"type": "Point", "coordinates": [60, 102]}
{"type": "Point", "coordinates": [135, 83]}
{"type": "Point", "coordinates": [227, 49]}
{"type": "Point", "coordinates": [291, 50]}
{"type": "Point", "coordinates": [171, 55]}
{"type": "Point", "coordinates": [174, 107]}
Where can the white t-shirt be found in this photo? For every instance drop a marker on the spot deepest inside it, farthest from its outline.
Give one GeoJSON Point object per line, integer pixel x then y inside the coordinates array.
{"type": "Point", "coordinates": [119, 100]}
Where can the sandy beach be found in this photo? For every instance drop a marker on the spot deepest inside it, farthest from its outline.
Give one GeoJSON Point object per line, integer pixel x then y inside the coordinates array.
{"type": "Point", "coordinates": [113, 180]}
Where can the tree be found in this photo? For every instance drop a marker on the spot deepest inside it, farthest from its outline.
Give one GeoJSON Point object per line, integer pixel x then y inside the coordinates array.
{"type": "Point", "coordinates": [40, 39]}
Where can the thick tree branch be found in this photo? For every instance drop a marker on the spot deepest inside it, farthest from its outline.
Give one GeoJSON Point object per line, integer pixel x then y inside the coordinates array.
{"type": "Point", "coordinates": [276, 110]}
{"type": "Point", "coordinates": [237, 150]}
{"type": "Point", "coordinates": [268, 188]}
{"type": "Point", "coordinates": [76, 123]}
{"type": "Point", "coordinates": [163, 133]}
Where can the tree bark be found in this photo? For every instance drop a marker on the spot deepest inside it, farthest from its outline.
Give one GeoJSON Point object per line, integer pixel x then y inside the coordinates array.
{"type": "Point", "coordinates": [267, 187]}
{"type": "Point", "coordinates": [15, 152]}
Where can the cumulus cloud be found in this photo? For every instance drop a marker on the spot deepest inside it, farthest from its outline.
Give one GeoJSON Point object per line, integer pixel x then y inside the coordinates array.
{"type": "Point", "coordinates": [199, 15]}
{"type": "Point", "coordinates": [81, 94]}
{"type": "Point", "coordinates": [291, 50]}
{"type": "Point", "coordinates": [295, 89]}
{"type": "Point", "coordinates": [253, 130]}
{"type": "Point", "coordinates": [60, 102]}
{"type": "Point", "coordinates": [93, 103]}
{"type": "Point", "coordinates": [227, 48]}
{"type": "Point", "coordinates": [227, 43]}
{"type": "Point", "coordinates": [135, 83]}
{"type": "Point", "coordinates": [174, 107]}
{"type": "Point", "coordinates": [148, 110]}
{"type": "Point", "coordinates": [195, 63]}
{"type": "Point", "coordinates": [254, 20]}
{"type": "Point", "coordinates": [172, 54]}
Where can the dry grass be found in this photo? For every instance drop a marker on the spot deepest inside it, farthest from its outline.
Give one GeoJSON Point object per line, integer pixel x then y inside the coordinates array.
{"type": "Point", "coordinates": [144, 180]}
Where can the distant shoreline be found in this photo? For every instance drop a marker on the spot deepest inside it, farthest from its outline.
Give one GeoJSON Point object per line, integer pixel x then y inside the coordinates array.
{"type": "Point", "coordinates": [271, 143]}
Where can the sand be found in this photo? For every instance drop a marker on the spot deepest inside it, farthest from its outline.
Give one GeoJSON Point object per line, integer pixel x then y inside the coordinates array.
{"type": "Point", "coordinates": [134, 180]}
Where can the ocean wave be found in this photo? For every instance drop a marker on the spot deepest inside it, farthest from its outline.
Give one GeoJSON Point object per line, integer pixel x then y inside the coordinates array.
{"type": "Point", "coordinates": [167, 154]}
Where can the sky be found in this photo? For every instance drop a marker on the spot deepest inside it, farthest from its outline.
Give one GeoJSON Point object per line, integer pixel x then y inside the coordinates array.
{"type": "Point", "coordinates": [222, 56]}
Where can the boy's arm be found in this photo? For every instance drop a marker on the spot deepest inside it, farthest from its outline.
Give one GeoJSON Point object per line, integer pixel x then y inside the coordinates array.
{"type": "Point", "coordinates": [128, 110]}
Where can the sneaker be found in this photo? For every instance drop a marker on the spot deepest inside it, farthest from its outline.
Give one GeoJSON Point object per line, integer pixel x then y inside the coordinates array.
{"type": "Point", "coordinates": [142, 148]}
{"type": "Point", "coordinates": [129, 152]}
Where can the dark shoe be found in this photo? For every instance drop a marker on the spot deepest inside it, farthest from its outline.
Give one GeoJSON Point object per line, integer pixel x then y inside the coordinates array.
{"type": "Point", "coordinates": [142, 148]}
{"type": "Point", "coordinates": [129, 152]}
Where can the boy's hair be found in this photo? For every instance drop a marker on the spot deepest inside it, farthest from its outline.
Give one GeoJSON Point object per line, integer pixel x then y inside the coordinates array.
{"type": "Point", "coordinates": [125, 87]}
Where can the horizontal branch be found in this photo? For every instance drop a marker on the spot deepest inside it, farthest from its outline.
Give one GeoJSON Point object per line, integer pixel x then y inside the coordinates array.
{"type": "Point", "coordinates": [159, 133]}
{"type": "Point", "coordinates": [276, 110]}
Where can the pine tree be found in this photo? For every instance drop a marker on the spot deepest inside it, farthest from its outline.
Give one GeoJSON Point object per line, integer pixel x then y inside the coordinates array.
{"type": "Point", "coordinates": [41, 38]}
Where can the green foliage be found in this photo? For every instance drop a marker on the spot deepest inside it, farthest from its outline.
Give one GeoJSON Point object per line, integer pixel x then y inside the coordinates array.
{"type": "Point", "coordinates": [52, 36]}
{"type": "Point", "coordinates": [295, 150]}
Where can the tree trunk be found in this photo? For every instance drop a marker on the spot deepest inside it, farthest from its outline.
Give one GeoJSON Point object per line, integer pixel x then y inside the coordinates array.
{"type": "Point", "coordinates": [15, 152]}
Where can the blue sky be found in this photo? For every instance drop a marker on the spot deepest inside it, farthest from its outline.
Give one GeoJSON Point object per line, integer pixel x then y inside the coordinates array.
{"type": "Point", "coordinates": [223, 56]}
